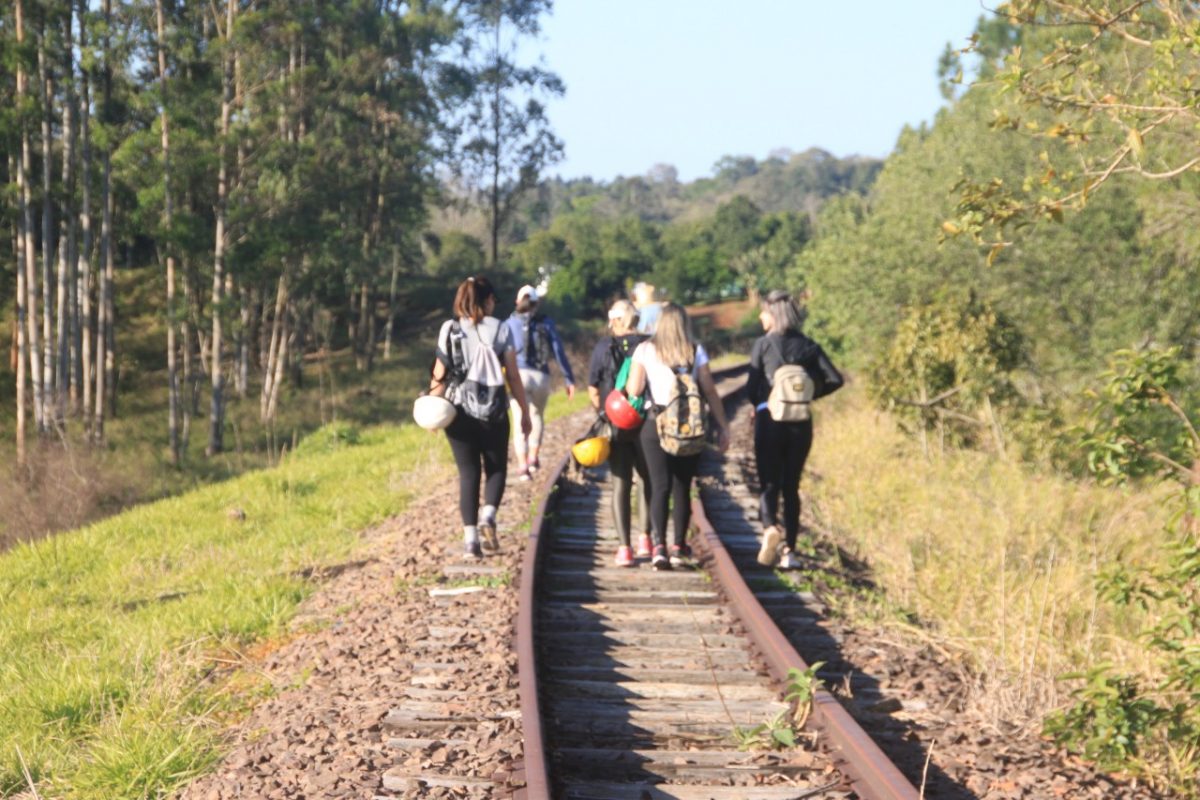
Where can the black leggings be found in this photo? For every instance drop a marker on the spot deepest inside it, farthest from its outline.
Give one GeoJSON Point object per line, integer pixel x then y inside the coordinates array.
{"type": "Point", "coordinates": [623, 459]}
{"type": "Point", "coordinates": [670, 480]}
{"type": "Point", "coordinates": [780, 450]}
{"type": "Point", "coordinates": [472, 440]}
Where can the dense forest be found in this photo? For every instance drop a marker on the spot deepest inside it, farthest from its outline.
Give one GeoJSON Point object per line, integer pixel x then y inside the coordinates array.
{"type": "Point", "coordinates": [254, 174]}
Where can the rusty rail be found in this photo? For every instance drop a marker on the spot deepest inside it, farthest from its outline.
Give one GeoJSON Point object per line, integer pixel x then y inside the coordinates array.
{"type": "Point", "coordinates": [872, 773]}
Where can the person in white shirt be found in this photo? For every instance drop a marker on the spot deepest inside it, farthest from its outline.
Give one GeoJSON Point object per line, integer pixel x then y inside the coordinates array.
{"type": "Point", "coordinates": [671, 351]}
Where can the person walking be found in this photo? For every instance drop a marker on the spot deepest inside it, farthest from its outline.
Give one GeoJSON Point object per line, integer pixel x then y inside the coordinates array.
{"type": "Point", "coordinates": [536, 341]}
{"type": "Point", "coordinates": [625, 456]}
{"type": "Point", "coordinates": [649, 309]}
{"type": "Point", "coordinates": [783, 430]}
{"type": "Point", "coordinates": [475, 362]}
{"type": "Point", "coordinates": [674, 369]}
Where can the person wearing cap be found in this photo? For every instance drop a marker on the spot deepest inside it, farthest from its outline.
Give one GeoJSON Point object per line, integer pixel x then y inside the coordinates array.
{"type": "Point", "coordinates": [624, 457]}
{"type": "Point", "coordinates": [537, 341]}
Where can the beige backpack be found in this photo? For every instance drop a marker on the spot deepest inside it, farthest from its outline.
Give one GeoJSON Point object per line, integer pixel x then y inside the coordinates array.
{"type": "Point", "coordinates": [792, 390]}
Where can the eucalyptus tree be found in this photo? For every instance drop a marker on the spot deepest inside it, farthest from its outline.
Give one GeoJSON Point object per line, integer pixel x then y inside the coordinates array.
{"type": "Point", "coordinates": [508, 140]}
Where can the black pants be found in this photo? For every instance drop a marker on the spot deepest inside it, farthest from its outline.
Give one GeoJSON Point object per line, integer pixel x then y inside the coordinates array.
{"type": "Point", "coordinates": [473, 441]}
{"type": "Point", "coordinates": [780, 450]}
{"type": "Point", "coordinates": [624, 458]}
{"type": "Point", "coordinates": [670, 484]}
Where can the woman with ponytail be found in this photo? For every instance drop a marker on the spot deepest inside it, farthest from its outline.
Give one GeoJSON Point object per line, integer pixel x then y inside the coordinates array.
{"type": "Point", "coordinates": [475, 362]}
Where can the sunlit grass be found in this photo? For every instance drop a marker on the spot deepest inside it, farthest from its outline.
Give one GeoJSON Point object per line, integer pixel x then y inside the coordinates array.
{"type": "Point", "coordinates": [106, 632]}
{"type": "Point", "coordinates": [1000, 559]}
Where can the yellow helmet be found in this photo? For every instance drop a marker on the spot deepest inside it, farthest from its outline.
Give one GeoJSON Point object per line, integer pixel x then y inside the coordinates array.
{"type": "Point", "coordinates": [591, 452]}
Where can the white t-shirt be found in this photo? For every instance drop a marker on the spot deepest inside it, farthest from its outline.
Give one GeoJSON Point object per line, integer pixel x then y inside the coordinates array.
{"type": "Point", "coordinates": [489, 329]}
{"type": "Point", "coordinates": [659, 376]}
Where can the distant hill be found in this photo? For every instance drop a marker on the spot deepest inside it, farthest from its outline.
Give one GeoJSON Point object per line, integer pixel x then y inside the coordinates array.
{"type": "Point", "coordinates": [784, 181]}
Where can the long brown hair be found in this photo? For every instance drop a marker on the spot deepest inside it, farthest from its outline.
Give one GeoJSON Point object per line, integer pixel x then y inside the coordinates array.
{"type": "Point", "coordinates": [673, 337]}
{"type": "Point", "coordinates": [471, 298]}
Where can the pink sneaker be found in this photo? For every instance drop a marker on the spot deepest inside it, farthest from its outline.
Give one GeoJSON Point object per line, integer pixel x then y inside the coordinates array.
{"type": "Point", "coordinates": [624, 556]}
{"type": "Point", "coordinates": [644, 546]}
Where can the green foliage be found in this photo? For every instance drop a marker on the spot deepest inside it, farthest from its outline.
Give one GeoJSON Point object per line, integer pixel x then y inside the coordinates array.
{"type": "Point", "coordinates": [950, 362]}
{"type": "Point", "coordinates": [1111, 87]}
{"type": "Point", "coordinates": [1148, 725]}
{"type": "Point", "coordinates": [776, 733]}
{"type": "Point", "coordinates": [1140, 426]}
{"type": "Point", "coordinates": [802, 687]}
{"type": "Point", "coordinates": [1109, 718]}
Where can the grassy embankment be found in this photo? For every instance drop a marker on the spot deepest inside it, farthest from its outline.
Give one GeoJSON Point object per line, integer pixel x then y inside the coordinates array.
{"type": "Point", "coordinates": [107, 633]}
{"type": "Point", "coordinates": [1000, 559]}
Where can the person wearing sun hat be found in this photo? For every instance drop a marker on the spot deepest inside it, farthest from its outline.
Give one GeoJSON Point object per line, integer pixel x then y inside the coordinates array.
{"type": "Point", "coordinates": [537, 342]}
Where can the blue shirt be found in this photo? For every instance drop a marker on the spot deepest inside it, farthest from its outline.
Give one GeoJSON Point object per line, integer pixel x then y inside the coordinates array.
{"type": "Point", "coordinates": [516, 325]}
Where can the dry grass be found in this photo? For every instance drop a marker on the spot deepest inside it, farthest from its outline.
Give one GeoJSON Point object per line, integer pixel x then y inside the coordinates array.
{"type": "Point", "coordinates": [1000, 559]}
{"type": "Point", "coordinates": [58, 488]}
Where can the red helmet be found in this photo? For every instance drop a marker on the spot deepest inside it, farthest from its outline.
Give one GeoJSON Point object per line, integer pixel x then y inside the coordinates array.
{"type": "Point", "coordinates": [620, 412]}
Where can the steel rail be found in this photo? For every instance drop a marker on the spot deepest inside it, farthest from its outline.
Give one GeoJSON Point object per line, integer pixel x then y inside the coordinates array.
{"type": "Point", "coordinates": [872, 775]}
{"type": "Point", "coordinates": [535, 762]}
{"type": "Point", "coordinates": [871, 772]}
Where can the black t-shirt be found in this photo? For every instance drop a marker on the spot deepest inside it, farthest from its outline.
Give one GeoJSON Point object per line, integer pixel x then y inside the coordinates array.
{"type": "Point", "coordinates": [607, 357]}
{"type": "Point", "coordinates": [795, 348]}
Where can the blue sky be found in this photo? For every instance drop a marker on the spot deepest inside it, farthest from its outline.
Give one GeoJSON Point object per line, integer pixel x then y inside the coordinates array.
{"type": "Point", "coordinates": [686, 81]}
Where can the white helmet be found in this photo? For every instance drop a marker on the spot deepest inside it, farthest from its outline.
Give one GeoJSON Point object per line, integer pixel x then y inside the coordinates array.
{"type": "Point", "coordinates": [433, 413]}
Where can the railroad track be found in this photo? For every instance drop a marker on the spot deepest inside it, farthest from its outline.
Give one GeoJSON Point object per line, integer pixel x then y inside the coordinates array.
{"type": "Point", "coordinates": [634, 683]}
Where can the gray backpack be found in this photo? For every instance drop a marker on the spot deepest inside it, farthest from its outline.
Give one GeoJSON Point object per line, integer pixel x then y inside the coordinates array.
{"type": "Point", "coordinates": [479, 385]}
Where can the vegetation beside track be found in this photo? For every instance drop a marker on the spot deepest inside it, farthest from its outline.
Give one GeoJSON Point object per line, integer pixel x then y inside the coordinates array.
{"type": "Point", "coordinates": [999, 558]}
{"type": "Point", "coordinates": [107, 633]}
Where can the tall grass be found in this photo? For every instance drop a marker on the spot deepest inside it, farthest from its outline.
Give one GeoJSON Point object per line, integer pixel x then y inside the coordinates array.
{"type": "Point", "coordinates": [1000, 558]}
{"type": "Point", "coordinates": [107, 633]}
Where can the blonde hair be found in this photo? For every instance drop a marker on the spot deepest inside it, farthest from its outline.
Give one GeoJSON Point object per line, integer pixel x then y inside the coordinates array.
{"type": "Point", "coordinates": [672, 338]}
{"type": "Point", "coordinates": [624, 314]}
{"type": "Point", "coordinates": [785, 314]}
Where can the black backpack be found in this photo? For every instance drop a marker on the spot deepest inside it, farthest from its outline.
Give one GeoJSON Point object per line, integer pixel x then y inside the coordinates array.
{"type": "Point", "coordinates": [538, 348]}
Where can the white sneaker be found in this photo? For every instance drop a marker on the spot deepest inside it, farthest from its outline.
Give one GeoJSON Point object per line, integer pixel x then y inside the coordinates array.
{"type": "Point", "coordinates": [789, 561]}
{"type": "Point", "coordinates": [768, 553]}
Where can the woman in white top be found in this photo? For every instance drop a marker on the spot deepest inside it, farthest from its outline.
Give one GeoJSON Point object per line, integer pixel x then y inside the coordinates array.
{"type": "Point", "coordinates": [474, 441]}
{"type": "Point", "coordinates": [671, 351]}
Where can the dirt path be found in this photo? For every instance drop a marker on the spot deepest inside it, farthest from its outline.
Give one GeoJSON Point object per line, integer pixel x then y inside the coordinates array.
{"type": "Point", "coordinates": [386, 634]}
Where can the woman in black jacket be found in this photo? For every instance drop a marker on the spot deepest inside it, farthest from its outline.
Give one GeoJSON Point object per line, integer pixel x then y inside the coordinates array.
{"type": "Point", "coordinates": [781, 448]}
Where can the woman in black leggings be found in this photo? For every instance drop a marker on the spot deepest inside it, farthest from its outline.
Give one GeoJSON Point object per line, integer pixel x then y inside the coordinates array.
{"type": "Point", "coordinates": [625, 458]}
{"type": "Point", "coordinates": [473, 440]}
{"type": "Point", "coordinates": [670, 352]}
{"type": "Point", "coordinates": [781, 448]}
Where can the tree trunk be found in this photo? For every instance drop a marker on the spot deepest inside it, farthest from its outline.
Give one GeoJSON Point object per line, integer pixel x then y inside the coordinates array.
{"type": "Point", "coordinates": [217, 408]}
{"type": "Point", "coordinates": [391, 319]}
{"type": "Point", "coordinates": [66, 237]}
{"type": "Point", "coordinates": [242, 381]}
{"type": "Point", "coordinates": [85, 226]}
{"type": "Point", "coordinates": [104, 278]}
{"type": "Point", "coordinates": [31, 282]}
{"type": "Point", "coordinates": [22, 178]}
{"type": "Point", "coordinates": [496, 133]}
{"type": "Point", "coordinates": [273, 371]}
{"type": "Point", "coordinates": [168, 215]}
{"type": "Point", "coordinates": [46, 81]}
